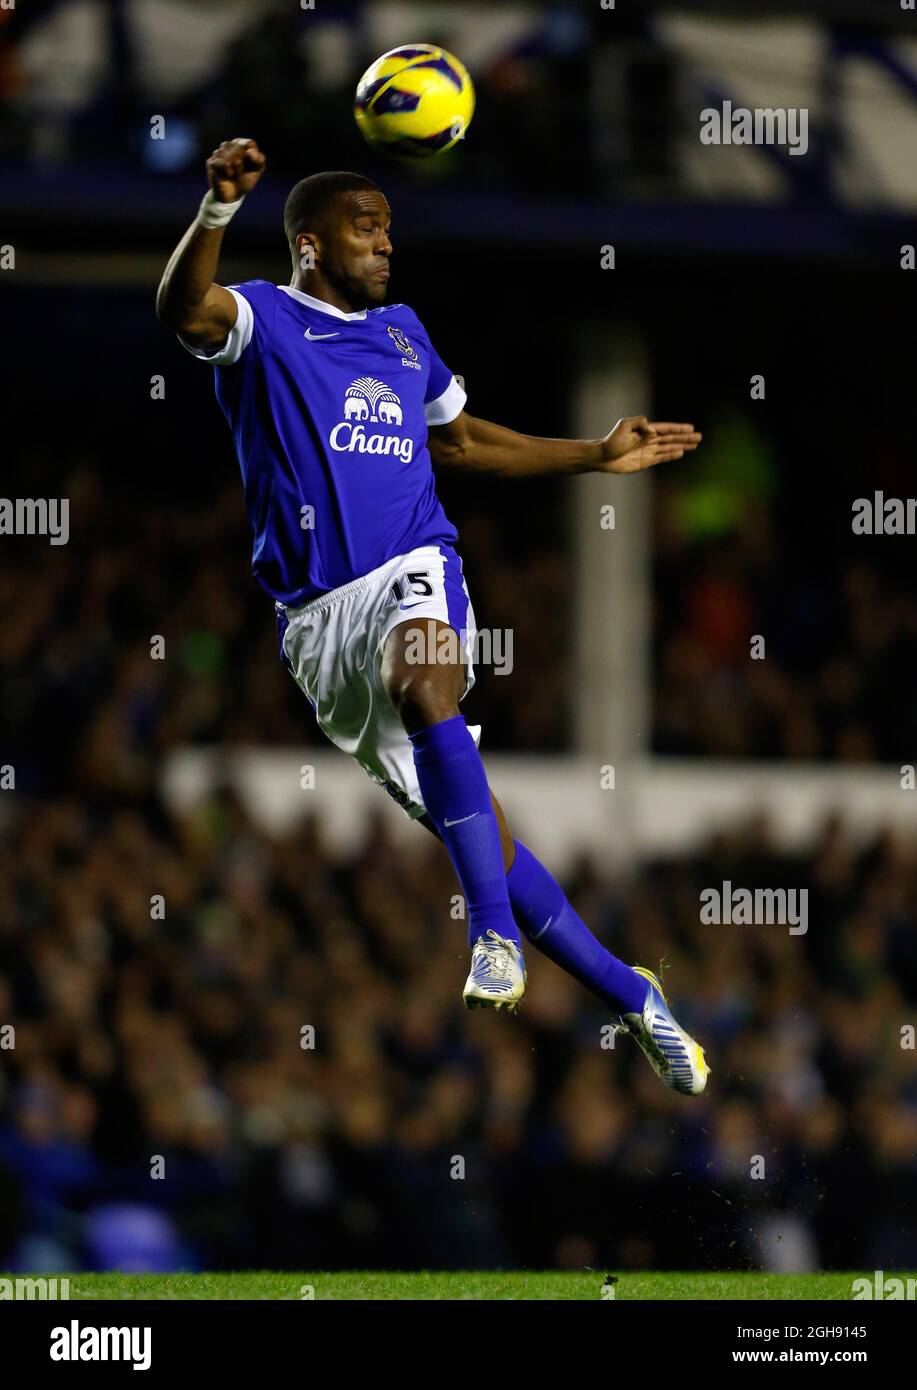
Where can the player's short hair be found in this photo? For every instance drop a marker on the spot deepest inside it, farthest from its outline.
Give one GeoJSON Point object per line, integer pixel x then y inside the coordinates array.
{"type": "Point", "coordinates": [310, 199]}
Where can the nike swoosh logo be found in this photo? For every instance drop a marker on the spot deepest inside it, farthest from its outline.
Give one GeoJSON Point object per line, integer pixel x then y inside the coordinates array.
{"type": "Point", "coordinates": [461, 820]}
{"type": "Point", "coordinates": [405, 606]}
{"type": "Point", "coordinates": [314, 337]}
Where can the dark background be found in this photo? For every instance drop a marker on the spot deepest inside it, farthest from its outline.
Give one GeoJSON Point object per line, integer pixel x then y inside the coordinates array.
{"type": "Point", "coordinates": [180, 1038]}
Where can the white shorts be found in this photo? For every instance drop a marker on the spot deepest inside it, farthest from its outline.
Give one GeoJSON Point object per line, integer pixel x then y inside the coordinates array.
{"type": "Point", "coordinates": [334, 647]}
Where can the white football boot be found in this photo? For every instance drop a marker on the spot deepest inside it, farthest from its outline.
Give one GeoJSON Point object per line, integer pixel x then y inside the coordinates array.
{"type": "Point", "coordinates": [497, 976]}
{"type": "Point", "coordinates": [672, 1053]}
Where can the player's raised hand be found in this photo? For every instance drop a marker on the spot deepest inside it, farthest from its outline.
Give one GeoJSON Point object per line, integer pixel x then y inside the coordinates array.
{"type": "Point", "coordinates": [234, 168]}
{"type": "Point", "coordinates": [637, 443]}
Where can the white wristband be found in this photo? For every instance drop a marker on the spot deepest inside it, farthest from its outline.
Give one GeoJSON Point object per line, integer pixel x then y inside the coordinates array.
{"type": "Point", "coordinates": [215, 214]}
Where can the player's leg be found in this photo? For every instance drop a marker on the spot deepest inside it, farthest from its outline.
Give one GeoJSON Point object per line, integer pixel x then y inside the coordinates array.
{"type": "Point", "coordinates": [543, 912]}
{"type": "Point", "coordinates": [551, 923]}
{"type": "Point", "coordinates": [423, 676]}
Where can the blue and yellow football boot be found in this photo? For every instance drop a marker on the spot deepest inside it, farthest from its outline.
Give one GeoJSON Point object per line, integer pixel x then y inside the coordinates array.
{"type": "Point", "coordinates": [672, 1053]}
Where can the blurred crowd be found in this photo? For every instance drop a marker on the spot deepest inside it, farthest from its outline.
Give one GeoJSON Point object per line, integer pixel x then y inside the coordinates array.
{"type": "Point", "coordinates": [232, 1050]}
{"type": "Point", "coordinates": [831, 683]}
{"type": "Point", "coordinates": [780, 633]}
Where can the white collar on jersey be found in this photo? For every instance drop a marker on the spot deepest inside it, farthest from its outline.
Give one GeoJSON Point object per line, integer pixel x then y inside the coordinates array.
{"type": "Point", "coordinates": [320, 304]}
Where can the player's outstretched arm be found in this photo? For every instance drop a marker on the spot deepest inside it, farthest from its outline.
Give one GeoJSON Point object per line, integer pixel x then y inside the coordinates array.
{"type": "Point", "coordinates": [634, 443]}
{"type": "Point", "coordinates": [187, 299]}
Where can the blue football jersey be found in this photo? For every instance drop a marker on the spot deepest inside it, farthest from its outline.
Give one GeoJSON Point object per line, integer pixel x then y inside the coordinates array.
{"type": "Point", "coordinates": [329, 413]}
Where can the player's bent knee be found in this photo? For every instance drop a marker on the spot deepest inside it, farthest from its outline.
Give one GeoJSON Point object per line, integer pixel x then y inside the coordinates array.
{"type": "Point", "coordinates": [421, 698]}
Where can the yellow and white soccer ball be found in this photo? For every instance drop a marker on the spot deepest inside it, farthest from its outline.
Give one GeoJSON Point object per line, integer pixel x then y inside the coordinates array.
{"type": "Point", "coordinates": [414, 102]}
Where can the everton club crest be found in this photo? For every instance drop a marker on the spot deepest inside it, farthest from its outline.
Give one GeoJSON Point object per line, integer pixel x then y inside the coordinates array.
{"type": "Point", "coordinates": [408, 355]}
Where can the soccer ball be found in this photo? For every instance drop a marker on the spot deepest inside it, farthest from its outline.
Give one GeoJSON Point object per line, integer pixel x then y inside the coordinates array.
{"type": "Point", "coordinates": [414, 102]}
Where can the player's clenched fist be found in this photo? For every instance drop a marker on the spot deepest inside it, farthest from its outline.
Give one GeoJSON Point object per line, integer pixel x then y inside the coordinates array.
{"type": "Point", "coordinates": [234, 168]}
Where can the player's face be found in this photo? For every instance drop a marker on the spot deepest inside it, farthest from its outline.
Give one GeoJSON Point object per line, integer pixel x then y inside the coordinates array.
{"type": "Point", "coordinates": [356, 247]}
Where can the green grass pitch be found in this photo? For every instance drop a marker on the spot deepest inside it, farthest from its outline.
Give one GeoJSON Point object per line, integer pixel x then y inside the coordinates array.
{"type": "Point", "coordinates": [461, 1285]}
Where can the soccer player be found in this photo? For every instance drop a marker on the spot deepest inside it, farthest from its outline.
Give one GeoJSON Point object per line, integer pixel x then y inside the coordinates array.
{"type": "Point", "coordinates": [339, 407]}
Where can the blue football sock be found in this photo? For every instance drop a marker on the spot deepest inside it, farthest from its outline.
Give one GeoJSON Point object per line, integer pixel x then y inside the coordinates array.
{"type": "Point", "coordinates": [550, 923]}
{"type": "Point", "coordinates": [456, 796]}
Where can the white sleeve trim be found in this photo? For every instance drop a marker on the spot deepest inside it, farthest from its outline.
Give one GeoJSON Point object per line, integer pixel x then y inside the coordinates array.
{"type": "Point", "coordinates": [240, 335]}
{"type": "Point", "coordinates": [446, 406]}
